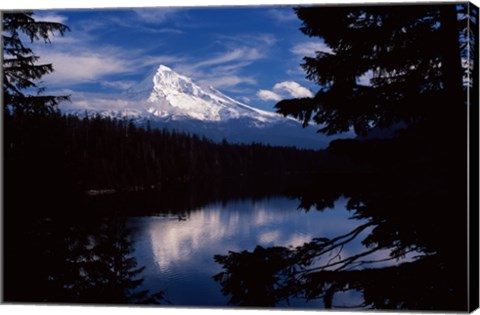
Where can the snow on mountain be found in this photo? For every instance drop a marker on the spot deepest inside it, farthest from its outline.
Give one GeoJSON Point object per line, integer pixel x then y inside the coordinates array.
{"type": "Point", "coordinates": [171, 95]}
{"type": "Point", "coordinates": [167, 99]}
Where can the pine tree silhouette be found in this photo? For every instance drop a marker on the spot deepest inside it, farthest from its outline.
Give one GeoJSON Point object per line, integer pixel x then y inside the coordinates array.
{"type": "Point", "coordinates": [20, 68]}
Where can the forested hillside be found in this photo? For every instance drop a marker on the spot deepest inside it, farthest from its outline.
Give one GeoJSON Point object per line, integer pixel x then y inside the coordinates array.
{"type": "Point", "coordinates": [103, 153]}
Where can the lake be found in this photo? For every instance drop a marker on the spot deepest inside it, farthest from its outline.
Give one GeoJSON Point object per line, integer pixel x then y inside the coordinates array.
{"type": "Point", "coordinates": [330, 242]}
{"type": "Point", "coordinates": [178, 250]}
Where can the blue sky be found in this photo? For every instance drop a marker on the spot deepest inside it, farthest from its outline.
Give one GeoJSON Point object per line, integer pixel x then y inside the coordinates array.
{"type": "Point", "coordinates": [250, 53]}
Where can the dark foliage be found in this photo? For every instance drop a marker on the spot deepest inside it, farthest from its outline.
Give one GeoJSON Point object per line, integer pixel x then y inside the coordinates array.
{"type": "Point", "coordinates": [412, 54]}
{"type": "Point", "coordinates": [412, 196]}
{"type": "Point", "coordinates": [72, 259]}
{"type": "Point", "coordinates": [421, 215]}
{"type": "Point", "coordinates": [255, 279]}
{"type": "Point", "coordinates": [96, 153]}
{"type": "Point", "coordinates": [21, 72]}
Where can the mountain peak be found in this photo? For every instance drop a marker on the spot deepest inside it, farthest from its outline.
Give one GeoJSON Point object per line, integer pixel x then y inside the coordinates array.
{"type": "Point", "coordinates": [167, 81]}
{"type": "Point", "coordinates": [168, 94]}
{"type": "Point", "coordinates": [164, 68]}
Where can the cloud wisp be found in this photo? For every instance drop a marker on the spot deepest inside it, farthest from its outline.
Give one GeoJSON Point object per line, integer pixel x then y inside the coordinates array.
{"type": "Point", "coordinates": [155, 15]}
{"type": "Point", "coordinates": [309, 49]}
{"type": "Point", "coordinates": [240, 54]}
{"type": "Point", "coordinates": [282, 15]}
{"type": "Point", "coordinates": [86, 62]}
{"type": "Point", "coordinates": [82, 67]}
{"type": "Point", "coordinates": [226, 69]}
{"type": "Point", "coordinates": [50, 17]}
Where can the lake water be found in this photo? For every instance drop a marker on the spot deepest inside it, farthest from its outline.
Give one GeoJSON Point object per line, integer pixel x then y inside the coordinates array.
{"type": "Point", "coordinates": [178, 251]}
{"type": "Point", "coordinates": [93, 255]}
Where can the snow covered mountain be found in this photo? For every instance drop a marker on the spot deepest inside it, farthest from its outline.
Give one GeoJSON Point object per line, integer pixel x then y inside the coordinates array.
{"type": "Point", "coordinates": [169, 100]}
{"type": "Point", "coordinates": [171, 95]}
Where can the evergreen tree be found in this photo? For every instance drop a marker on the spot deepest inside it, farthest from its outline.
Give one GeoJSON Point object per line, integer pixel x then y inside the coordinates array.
{"type": "Point", "coordinates": [111, 273]}
{"type": "Point", "coordinates": [411, 55]}
{"type": "Point", "coordinates": [22, 93]}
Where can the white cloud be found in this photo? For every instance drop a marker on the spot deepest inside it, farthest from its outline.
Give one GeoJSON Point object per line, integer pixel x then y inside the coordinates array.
{"type": "Point", "coordinates": [155, 15]}
{"type": "Point", "coordinates": [227, 81]}
{"type": "Point", "coordinates": [82, 67]}
{"type": "Point", "coordinates": [84, 64]}
{"type": "Point", "coordinates": [270, 237]}
{"type": "Point", "coordinates": [50, 17]}
{"type": "Point", "coordinates": [264, 40]}
{"type": "Point", "coordinates": [230, 68]}
{"type": "Point", "coordinates": [223, 70]}
{"type": "Point", "coordinates": [310, 48]}
{"type": "Point", "coordinates": [122, 85]}
{"type": "Point", "coordinates": [97, 101]}
{"type": "Point", "coordinates": [299, 239]}
{"type": "Point", "coordinates": [283, 90]}
{"type": "Point", "coordinates": [282, 15]}
{"type": "Point", "coordinates": [266, 95]}
{"type": "Point", "coordinates": [296, 71]}
{"type": "Point", "coordinates": [241, 54]}
{"type": "Point", "coordinates": [218, 77]}
{"type": "Point", "coordinates": [293, 88]}
{"type": "Point", "coordinates": [157, 60]}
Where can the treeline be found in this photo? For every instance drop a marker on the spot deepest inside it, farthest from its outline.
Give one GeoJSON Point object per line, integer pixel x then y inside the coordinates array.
{"type": "Point", "coordinates": [106, 153]}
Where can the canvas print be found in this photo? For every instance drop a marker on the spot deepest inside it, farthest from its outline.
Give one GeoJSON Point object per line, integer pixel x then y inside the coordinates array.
{"type": "Point", "coordinates": [282, 157]}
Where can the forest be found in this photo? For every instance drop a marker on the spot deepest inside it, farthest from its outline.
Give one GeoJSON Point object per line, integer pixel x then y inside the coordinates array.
{"type": "Point", "coordinates": [94, 153]}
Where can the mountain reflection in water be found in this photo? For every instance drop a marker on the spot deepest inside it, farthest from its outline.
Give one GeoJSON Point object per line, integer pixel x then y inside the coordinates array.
{"type": "Point", "coordinates": [178, 253]}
